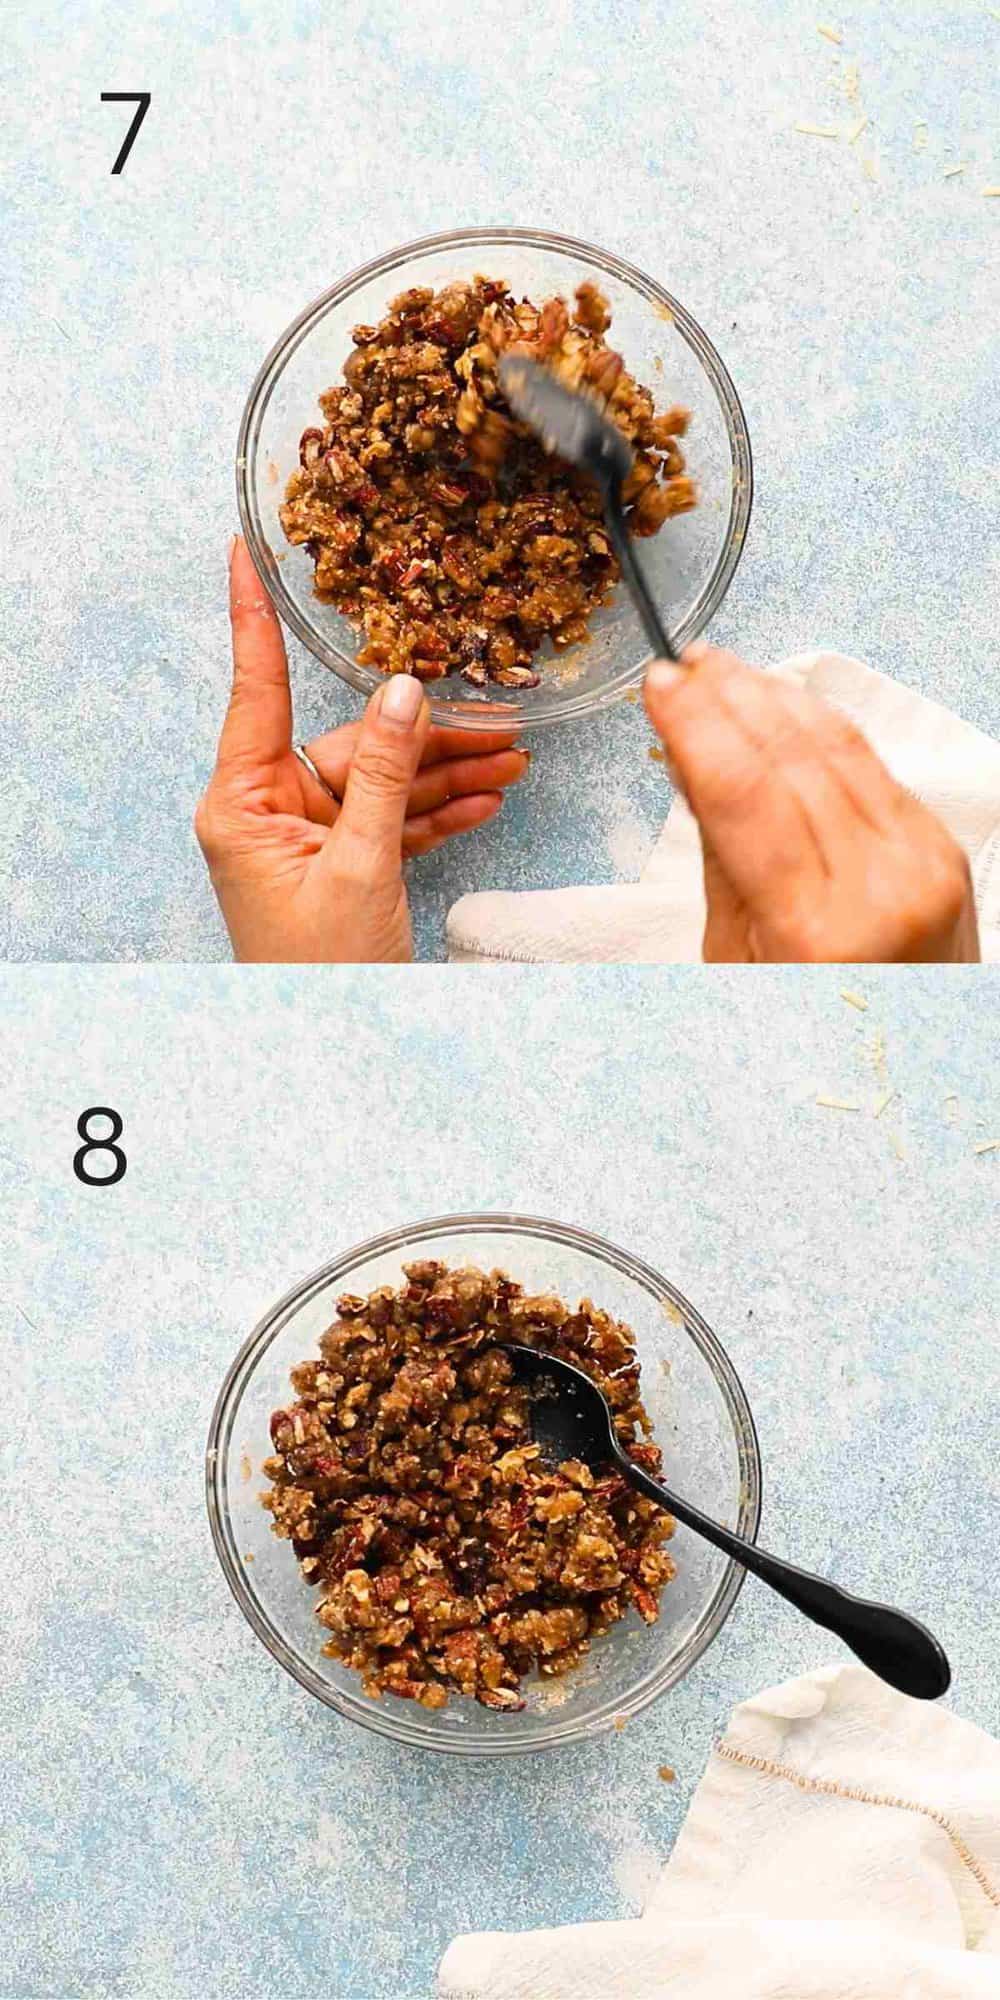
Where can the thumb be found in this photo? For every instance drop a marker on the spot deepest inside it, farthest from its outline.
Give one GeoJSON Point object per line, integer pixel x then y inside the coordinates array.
{"type": "Point", "coordinates": [388, 751]}
{"type": "Point", "coordinates": [726, 939]}
{"type": "Point", "coordinates": [664, 681]}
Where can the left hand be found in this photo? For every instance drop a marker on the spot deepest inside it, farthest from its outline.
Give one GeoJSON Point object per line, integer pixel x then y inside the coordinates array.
{"type": "Point", "coordinates": [303, 876]}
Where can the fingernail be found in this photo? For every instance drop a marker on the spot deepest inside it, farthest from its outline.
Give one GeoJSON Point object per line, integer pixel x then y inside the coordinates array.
{"type": "Point", "coordinates": [663, 676]}
{"type": "Point", "coordinates": [231, 551]}
{"type": "Point", "coordinates": [402, 700]}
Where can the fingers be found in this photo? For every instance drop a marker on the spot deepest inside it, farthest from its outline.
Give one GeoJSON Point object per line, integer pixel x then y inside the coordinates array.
{"type": "Point", "coordinates": [751, 817]}
{"type": "Point", "coordinates": [435, 782]}
{"type": "Point", "coordinates": [332, 753]}
{"type": "Point", "coordinates": [444, 743]}
{"type": "Point", "coordinates": [258, 726]}
{"type": "Point", "coordinates": [464, 776]}
{"type": "Point", "coordinates": [431, 829]}
{"type": "Point", "coordinates": [367, 839]}
{"type": "Point", "coordinates": [822, 755]}
{"type": "Point", "coordinates": [812, 850]}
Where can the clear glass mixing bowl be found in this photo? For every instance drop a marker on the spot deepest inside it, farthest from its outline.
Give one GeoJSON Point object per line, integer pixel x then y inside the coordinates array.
{"type": "Point", "coordinates": [700, 1416]}
{"type": "Point", "coordinates": [690, 563]}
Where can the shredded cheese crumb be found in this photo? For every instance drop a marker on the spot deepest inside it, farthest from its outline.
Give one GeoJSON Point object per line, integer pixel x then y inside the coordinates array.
{"type": "Point", "coordinates": [991, 191]}
{"type": "Point", "coordinates": [950, 172]}
{"type": "Point", "coordinates": [818, 131]}
{"type": "Point", "coordinates": [988, 1146]}
{"type": "Point", "coordinates": [920, 136]}
{"type": "Point", "coordinates": [658, 756]}
{"type": "Point", "coordinates": [854, 999]}
{"type": "Point", "coordinates": [884, 1100]}
{"type": "Point", "coordinates": [829, 34]}
{"type": "Point", "coordinates": [667, 1773]}
{"type": "Point", "coordinates": [858, 129]}
{"type": "Point", "coordinates": [837, 1104]}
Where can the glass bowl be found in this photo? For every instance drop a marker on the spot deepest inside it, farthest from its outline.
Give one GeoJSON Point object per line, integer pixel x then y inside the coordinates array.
{"type": "Point", "coordinates": [700, 1417]}
{"type": "Point", "coordinates": [690, 563]}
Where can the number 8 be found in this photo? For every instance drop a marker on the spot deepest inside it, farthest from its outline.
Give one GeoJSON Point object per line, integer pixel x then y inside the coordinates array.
{"type": "Point", "coordinates": [92, 1145]}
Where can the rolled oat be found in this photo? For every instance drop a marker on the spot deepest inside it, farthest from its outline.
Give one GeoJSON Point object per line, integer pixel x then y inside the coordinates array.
{"type": "Point", "coordinates": [436, 522]}
{"type": "Point", "coordinates": [448, 1556]}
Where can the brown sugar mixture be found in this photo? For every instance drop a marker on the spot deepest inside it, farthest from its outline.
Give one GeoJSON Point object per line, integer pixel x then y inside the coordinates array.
{"type": "Point", "coordinates": [437, 523]}
{"type": "Point", "coordinates": [448, 1556]}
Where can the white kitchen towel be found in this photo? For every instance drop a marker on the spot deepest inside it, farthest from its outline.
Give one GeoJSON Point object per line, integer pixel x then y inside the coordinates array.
{"type": "Point", "coordinates": [844, 1844]}
{"type": "Point", "coordinates": [954, 768]}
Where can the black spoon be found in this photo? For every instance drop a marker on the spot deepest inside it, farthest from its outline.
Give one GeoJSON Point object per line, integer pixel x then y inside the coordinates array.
{"type": "Point", "coordinates": [571, 1419]}
{"type": "Point", "coordinates": [573, 425]}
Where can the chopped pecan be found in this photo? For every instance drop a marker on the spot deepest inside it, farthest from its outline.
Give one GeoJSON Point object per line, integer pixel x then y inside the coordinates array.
{"type": "Point", "coordinates": [422, 462]}
{"type": "Point", "coordinates": [310, 447]}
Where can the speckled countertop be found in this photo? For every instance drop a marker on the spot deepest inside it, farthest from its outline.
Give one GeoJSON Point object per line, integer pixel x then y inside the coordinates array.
{"type": "Point", "coordinates": [851, 288]}
{"type": "Point", "coordinates": [182, 1819]}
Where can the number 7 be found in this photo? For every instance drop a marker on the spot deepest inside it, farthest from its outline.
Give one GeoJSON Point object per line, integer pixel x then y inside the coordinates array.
{"type": "Point", "coordinates": [140, 98]}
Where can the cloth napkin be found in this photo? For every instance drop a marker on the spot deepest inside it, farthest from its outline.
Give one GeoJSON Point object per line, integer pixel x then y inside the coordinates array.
{"type": "Point", "coordinates": [954, 768]}
{"type": "Point", "coordinates": [844, 1844]}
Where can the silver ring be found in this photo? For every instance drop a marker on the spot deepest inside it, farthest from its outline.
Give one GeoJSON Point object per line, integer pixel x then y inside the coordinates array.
{"type": "Point", "coordinates": [304, 758]}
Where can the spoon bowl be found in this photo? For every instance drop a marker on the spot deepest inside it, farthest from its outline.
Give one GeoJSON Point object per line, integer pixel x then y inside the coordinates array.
{"type": "Point", "coordinates": [571, 423]}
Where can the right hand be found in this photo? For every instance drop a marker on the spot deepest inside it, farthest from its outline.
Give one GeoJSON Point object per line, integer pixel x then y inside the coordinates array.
{"type": "Point", "coordinates": [812, 851]}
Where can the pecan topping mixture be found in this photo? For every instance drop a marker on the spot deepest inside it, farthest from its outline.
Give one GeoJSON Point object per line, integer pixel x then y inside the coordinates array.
{"type": "Point", "coordinates": [447, 1555]}
{"type": "Point", "coordinates": [437, 523]}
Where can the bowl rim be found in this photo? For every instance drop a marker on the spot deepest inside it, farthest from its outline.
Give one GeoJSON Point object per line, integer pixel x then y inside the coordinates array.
{"type": "Point", "coordinates": [365, 680]}
{"type": "Point", "coordinates": [378, 1716]}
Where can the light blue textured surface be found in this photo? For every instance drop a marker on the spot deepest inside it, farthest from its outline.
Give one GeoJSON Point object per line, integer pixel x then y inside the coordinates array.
{"type": "Point", "coordinates": [283, 147]}
{"type": "Point", "coordinates": [181, 1818]}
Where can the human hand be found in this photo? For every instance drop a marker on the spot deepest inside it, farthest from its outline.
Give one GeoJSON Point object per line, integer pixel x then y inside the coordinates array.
{"type": "Point", "coordinates": [812, 851]}
{"type": "Point", "coordinates": [303, 876]}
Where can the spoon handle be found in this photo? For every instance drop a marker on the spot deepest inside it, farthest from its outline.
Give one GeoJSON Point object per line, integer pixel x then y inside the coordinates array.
{"type": "Point", "coordinates": [653, 626]}
{"type": "Point", "coordinates": [896, 1647]}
